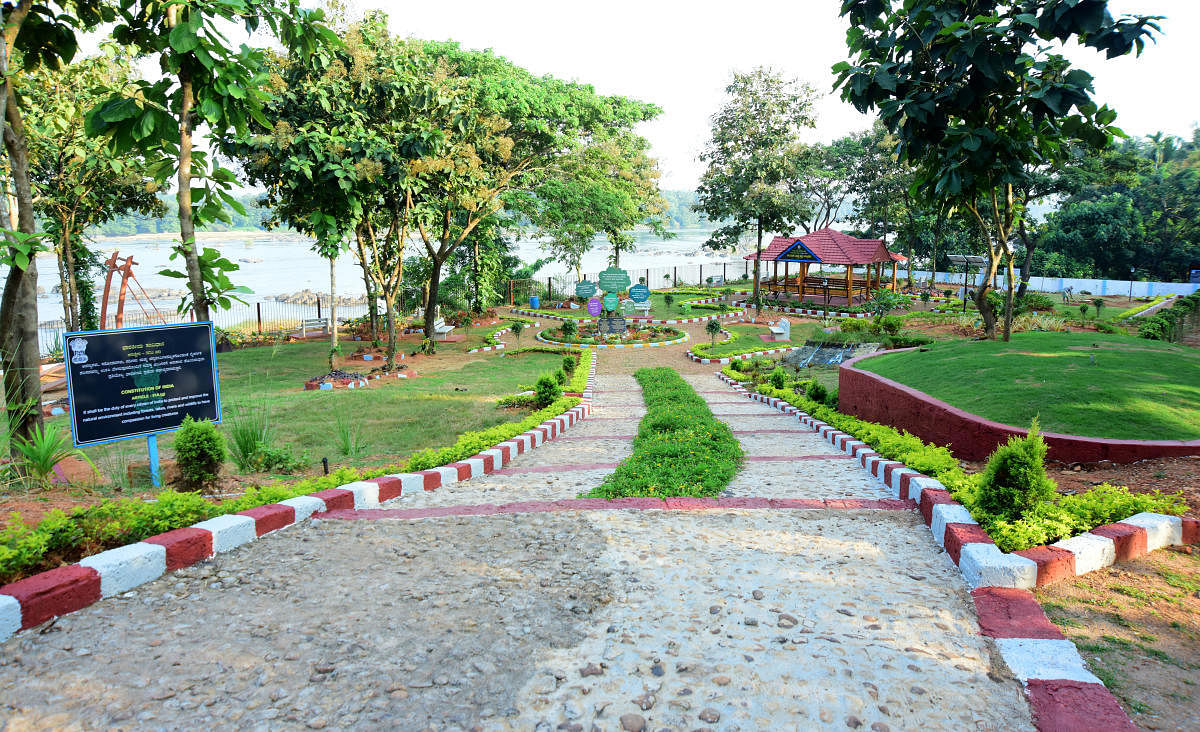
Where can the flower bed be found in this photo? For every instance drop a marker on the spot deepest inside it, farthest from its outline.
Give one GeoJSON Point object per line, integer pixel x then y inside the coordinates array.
{"type": "Point", "coordinates": [648, 337]}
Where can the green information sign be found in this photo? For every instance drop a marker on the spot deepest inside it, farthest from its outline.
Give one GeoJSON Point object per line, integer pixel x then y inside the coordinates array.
{"type": "Point", "coordinates": [639, 293]}
{"type": "Point", "coordinates": [614, 280]}
{"type": "Point", "coordinates": [585, 288]}
{"type": "Point", "coordinates": [611, 301]}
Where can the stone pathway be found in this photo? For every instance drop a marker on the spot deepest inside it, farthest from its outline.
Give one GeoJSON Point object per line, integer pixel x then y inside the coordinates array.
{"type": "Point", "coordinates": [722, 619]}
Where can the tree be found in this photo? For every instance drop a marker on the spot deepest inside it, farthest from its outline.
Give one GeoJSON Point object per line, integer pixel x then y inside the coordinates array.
{"type": "Point", "coordinates": [753, 151]}
{"type": "Point", "coordinates": [77, 184]}
{"type": "Point", "coordinates": [977, 98]}
{"type": "Point", "coordinates": [35, 35]}
{"type": "Point", "coordinates": [204, 80]}
{"type": "Point", "coordinates": [713, 328]}
{"type": "Point", "coordinates": [512, 129]}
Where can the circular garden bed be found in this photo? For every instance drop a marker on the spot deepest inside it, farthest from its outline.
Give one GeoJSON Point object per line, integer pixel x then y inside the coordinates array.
{"type": "Point", "coordinates": [589, 335]}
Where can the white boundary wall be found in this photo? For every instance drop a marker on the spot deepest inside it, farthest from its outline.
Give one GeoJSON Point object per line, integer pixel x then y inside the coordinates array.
{"type": "Point", "coordinates": [1058, 284]}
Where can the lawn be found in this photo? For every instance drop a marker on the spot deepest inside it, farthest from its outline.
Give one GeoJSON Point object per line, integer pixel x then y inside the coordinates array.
{"type": "Point", "coordinates": [1076, 383]}
{"type": "Point", "coordinates": [747, 339]}
{"type": "Point", "coordinates": [454, 393]}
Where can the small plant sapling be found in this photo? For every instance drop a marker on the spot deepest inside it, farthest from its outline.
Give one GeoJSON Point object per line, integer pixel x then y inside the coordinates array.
{"type": "Point", "coordinates": [713, 328]}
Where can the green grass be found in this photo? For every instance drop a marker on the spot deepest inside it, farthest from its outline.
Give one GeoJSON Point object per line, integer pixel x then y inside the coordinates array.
{"type": "Point", "coordinates": [396, 418]}
{"type": "Point", "coordinates": [1132, 389]}
{"type": "Point", "coordinates": [747, 340]}
{"type": "Point", "coordinates": [681, 449]}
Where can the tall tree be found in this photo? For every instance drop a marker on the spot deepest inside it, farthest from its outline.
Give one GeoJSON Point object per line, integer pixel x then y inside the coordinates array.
{"type": "Point", "coordinates": [204, 80]}
{"type": "Point", "coordinates": [77, 183]}
{"type": "Point", "coordinates": [511, 129]}
{"type": "Point", "coordinates": [35, 35]}
{"type": "Point", "coordinates": [977, 98]}
{"type": "Point", "coordinates": [753, 152]}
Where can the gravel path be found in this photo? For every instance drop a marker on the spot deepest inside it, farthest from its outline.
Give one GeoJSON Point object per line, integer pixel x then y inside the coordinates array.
{"type": "Point", "coordinates": [592, 620]}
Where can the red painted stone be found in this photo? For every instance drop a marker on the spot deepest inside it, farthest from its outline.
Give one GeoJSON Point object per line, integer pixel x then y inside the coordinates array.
{"type": "Point", "coordinates": [462, 469]}
{"type": "Point", "coordinates": [888, 468]}
{"type": "Point", "coordinates": [507, 450]}
{"type": "Point", "coordinates": [1053, 563]}
{"type": "Point", "coordinates": [1075, 706]}
{"type": "Point", "coordinates": [959, 535]}
{"type": "Point", "coordinates": [272, 517]}
{"type": "Point", "coordinates": [1129, 540]}
{"type": "Point", "coordinates": [1005, 612]}
{"type": "Point", "coordinates": [689, 504]}
{"type": "Point", "coordinates": [744, 502]}
{"type": "Point", "coordinates": [796, 503]}
{"type": "Point", "coordinates": [876, 399]}
{"type": "Point", "coordinates": [389, 487]}
{"type": "Point", "coordinates": [489, 462]}
{"type": "Point", "coordinates": [185, 546]}
{"type": "Point", "coordinates": [586, 504]}
{"type": "Point", "coordinates": [640, 503]}
{"type": "Point", "coordinates": [54, 592]}
{"type": "Point", "coordinates": [929, 499]}
{"type": "Point", "coordinates": [1191, 531]}
{"type": "Point", "coordinates": [906, 479]}
{"type": "Point", "coordinates": [432, 479]}
{"type": "Point", "coordinates": [525, 507]}
{"type": "Point", "coordinates": [336, 498]}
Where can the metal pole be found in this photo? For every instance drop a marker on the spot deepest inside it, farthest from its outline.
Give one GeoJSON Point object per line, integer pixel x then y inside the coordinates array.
{"type": "Point", "coordinates": [701, 282]}
{"type": "Point", "coordinates": [152, 447]}
{"type": "Point", "coordinates": [258, 306]}
{"type": "Point", "coordinates": [724, 272]}
{"type": "Point", "coordinates": [966, 270]}
{"type": "Point", "coordinates": [549, 295]}
{"type": "Point", "coordinates": [675, 276]}
{"type": "Point", "coordinates": [318, 307]}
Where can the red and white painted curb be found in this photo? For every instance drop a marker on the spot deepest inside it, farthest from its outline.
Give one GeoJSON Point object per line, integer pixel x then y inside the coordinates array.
{"type": "Point", "coordinates": [741, 356]}
{"type": "Point", "coordinates": [32, 601]}
{"type": "Point", "coordinates": [718, 316]}
{"type": "Point", "coordinates": [1061, 691]}
{"type": "Point", "coordinates": [601, 346]}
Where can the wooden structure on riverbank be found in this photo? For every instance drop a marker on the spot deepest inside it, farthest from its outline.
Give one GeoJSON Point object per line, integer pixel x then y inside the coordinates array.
{"type": "Point", "coordinates": [829, 246]}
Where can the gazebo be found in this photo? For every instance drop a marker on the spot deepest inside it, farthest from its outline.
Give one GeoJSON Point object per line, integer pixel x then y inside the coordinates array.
{"type": "Point", "coordinates": [829, 246]}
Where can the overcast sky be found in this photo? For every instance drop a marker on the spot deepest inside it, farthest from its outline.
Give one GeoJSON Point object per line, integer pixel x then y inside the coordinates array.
{"type": "Point", "coordinates": [680, 56]}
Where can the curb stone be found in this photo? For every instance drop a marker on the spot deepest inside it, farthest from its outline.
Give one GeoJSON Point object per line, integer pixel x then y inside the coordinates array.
{"type": "Point", "coordinates": [1061, 692]}
{"type": "Point", "coordinates": [34, 600]}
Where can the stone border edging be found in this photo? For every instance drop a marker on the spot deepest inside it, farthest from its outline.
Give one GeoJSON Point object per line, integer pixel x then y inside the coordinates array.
{"type": "Point", "coordinates": [876, 398]}
{"type": "Point", "coordinates": [34, 600]}
{"type": "Point", "coordinates": [598, 346]}
{"type": "Point", "coordinates": [1061, 691]}
{"type": "Point", "coordinates": [722, 316]}
{"type": "Point", "coordinates": [739, 357]}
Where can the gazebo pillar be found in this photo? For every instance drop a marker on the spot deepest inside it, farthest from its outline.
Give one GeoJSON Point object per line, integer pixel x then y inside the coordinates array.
{"type": "Point", "coordinates": [849, 284]}
{"type": "Point", "coordinates": [803, 278]}
{"type": "Point", "coordinates": [785, 277]}
{"type": "Point", "coordinates": [894, 287]}
{"type": "Point", "coordinates": [774, 276]}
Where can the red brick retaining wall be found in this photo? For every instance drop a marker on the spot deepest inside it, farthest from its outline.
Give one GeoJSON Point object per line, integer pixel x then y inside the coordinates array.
{"type": "Point", "coordinates": [877, 399]}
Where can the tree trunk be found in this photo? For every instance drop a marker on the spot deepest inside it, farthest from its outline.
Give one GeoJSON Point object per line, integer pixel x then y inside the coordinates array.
{"type": "Point", "coordinates": [20, 355]}
{"type": "Point", "coordinates": [478, 305]}
{"type": "Point", "coordinates": [187, 229]}
{"type": "Point", "coordinates": [431, 294]}
{"type": "Point", "coordinates": [389, 305]}
{"type": "Point", "coordinates": [981, 301]}
{"type": "Point", "coordinates": [333, 331]}
{"type": "Point", "coordinates": [757, 254]}
{"type": "Point", "coordinates": [372, 305]}
{"type": "Point", "coordinates": [1027, 264]}
{"type": "Point", "coordinates": [1010, 290]}
{"type": "Point", "coordinates": [64, 245]}
{"type": "Point", "coordinates": [73, 283]}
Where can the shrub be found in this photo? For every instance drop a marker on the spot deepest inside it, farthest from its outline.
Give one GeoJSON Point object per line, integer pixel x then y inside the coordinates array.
{"type": "Point", "coordinates": [548, 390]}
{"type": "Point", "coordinates": [45, 448]}
{"type": "Point", "coordinates": [853, 325]}
{"type": "Point", "coordinates": [778, 377]}
{"type": "Point", "coordinates": [560, 378]}
{"type": "Point", "coordinates": [891, 324]}
{"type": "Point", "coordinates": [1036, 301]}
{"type": "Point", "coordinates": [713, 328]}
{"type": "Point", "coordinates": [570, 329]}
{"type": "Point", "coordinates": [816, 391]}
{"type": "Point", "coordinates": [1083, 310]}
{"type": "Point", "coordinates": [199, 452]}
{"type": "Point", "coordinates": [1015, 481]}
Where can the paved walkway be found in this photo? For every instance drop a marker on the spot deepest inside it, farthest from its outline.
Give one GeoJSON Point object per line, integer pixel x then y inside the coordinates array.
{"type": "Point", "coordinates": [723, 619]}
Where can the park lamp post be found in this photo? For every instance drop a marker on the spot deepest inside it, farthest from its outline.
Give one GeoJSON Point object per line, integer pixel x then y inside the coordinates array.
{"type": "Point", "coordinates": [1132, 273]}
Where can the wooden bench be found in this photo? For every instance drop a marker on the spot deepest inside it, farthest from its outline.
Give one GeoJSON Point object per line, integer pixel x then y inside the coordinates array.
{"type": "Point", "coordinates": [313, 324]}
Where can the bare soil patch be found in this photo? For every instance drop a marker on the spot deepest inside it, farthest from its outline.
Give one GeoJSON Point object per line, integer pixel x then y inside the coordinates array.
{"type": "Point", "coordinates": [1137, 625]}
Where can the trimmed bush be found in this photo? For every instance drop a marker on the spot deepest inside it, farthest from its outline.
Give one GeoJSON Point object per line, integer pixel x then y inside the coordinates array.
{"type": "Point", "coordinates": [1015, 481]}
{"type": "Point", "coordinates": [199, 452]}
{"type": "Point", "coordinates": [548, 390]}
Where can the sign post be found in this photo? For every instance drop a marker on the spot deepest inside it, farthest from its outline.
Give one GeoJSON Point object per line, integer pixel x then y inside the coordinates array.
{"type": "Point", "coordinates": [139, 382]}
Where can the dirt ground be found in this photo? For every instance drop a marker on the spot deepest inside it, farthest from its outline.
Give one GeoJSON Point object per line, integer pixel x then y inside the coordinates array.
{"type": "Point", "coordinates": [1137, 624]}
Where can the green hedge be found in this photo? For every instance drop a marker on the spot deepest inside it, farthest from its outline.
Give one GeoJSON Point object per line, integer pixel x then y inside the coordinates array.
{"type": "Point", "coordinates": [1167, 325]}
{"type": "Point", "coordinates": [681, 449]}
{"type": "Point", "coordinates": [1050, 521]}
{"type": "Point", "coordinates": [1139, 308]}
{"type": "Point", "coordinates": [703, 350]}
{"type": "Point", "coordinates": [60, 538]}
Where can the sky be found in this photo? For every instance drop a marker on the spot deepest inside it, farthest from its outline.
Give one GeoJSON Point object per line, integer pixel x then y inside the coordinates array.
{"type": "Point", "coordinates": [680, 56]}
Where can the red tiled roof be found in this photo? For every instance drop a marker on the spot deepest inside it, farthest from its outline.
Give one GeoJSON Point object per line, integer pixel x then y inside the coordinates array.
{"type": "Point", "coordinates": [831, 247]}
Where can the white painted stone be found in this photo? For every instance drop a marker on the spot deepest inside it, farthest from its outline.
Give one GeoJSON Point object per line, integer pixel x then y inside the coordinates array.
{"type": "Point", "coordinates": [514, 449]}
{"type": "Point", "coordinates": [477, 466]}
{"type": "Point", "coordinates": [984, 565]}
{"type": "Point", "coordinates": [305, 506]}
{"type": "Point", "coordinates": [947, 513]}
{"type": "Point", "coordinates": [366, 495]}
{"type": "Point", "coordinates": [898, 475]}
{"type": "Point", "coordinates": [410, 483]}
{"type": "Point", "coordinates": [1091, 552]}
{"type": "Point", "coordinates": [1161, 530]}
{"type": "Point", "coordinates": [853, 445]}
{"type": "Point", "coordinates": [10, 616]}
{"type": "Point", "coordinates": [449, 475]}
{"type": "Point", "coordinates": [536, 436]}
{"type": "Point", "coordinates": [1044, 658]}
{"type": "Point", "coordinates": [871, 465]}
{"type": "Point", "coordinates": [917, 486]}
{"type": "Point", "coordinates": [229, 531]}
{"type": "Point", "coordinates": [497, 457]}
{"type": "Point", "coordinates": [126, 567]}
{"type": "Point", "coordinates": [525, 440]}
